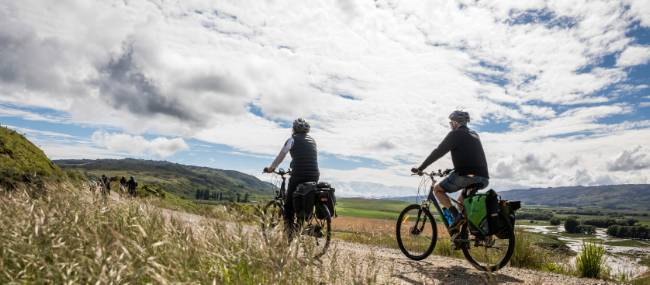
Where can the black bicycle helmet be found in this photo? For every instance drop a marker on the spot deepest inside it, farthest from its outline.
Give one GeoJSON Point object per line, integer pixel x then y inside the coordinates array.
{"type": "Point", "coordinates": [460, 117]}
{"type": "Point", "coordinates": [300, 126]}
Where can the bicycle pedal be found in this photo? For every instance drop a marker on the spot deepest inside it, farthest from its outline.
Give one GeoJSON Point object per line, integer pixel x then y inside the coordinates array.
{"type": "Point", "coordinates": [458, 243]}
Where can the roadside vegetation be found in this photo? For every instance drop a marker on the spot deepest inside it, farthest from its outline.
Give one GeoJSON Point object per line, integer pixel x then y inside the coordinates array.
{"type": "Point", "coordinates": [591, 261]}
{"type": "Point", "coordinates": [64, 238]}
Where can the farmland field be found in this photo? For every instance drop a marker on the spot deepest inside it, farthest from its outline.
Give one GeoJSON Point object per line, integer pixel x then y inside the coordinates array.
{"type": "Point", "coordinates": [370, 221]}
{"type": "Point", "coordinates": [369, 208]}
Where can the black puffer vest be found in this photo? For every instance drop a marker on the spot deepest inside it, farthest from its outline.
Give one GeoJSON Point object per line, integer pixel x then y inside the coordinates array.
{"type": "Point", "coordinates": [304, 156]}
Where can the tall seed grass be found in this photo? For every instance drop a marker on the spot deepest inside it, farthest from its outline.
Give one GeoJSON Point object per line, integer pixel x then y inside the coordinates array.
{"type": "Point", "coordinates": [591, 261]}
{"type": "Point", "coordinates": [62, 239]}
{"type": "Point", "coordinates": [526, 254]}
{"type": "Point", "coordinates": [444, 247]}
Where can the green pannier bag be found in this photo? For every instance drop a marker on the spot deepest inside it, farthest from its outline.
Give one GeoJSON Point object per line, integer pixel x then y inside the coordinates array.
{"type": "Point", "coordinates": [482, 211]}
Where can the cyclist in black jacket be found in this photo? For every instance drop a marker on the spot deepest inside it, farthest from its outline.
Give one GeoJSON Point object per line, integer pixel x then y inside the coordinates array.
{"type": "Point", "coordinates": [470, 166]}
{"type": "Point", "coordinates": [304, 163]}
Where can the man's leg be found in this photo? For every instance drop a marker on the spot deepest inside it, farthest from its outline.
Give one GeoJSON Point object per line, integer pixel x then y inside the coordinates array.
{"type": "Point", "coordinates": [289, 213]}
{"type": "Point", "coordinates": [461, 198]}
{"type": "Point", "coordinates": [442, 196]}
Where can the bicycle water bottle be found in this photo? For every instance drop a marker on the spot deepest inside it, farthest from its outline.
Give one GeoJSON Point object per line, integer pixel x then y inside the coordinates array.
{"type": "Point", "coordinates": [448, 216]}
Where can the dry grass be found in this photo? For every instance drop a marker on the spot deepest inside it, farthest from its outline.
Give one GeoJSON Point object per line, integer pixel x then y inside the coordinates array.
{"type": "Point", "coordinates": [64, 239]}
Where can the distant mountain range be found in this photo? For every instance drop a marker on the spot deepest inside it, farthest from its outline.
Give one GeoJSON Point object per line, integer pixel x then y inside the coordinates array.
{"type": "Point", "coordinates": [626, 196]}
{"type": "Point", "coordinates": [182, 180]}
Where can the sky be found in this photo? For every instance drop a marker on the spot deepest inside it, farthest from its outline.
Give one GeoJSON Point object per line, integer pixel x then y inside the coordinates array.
{"type": "Point", "coordinates": [559, 91]}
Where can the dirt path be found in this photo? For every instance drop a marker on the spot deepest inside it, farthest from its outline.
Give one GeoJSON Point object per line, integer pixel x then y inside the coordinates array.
{"type": "Point", "coordinates": [392, 267]}
{"type": "Point", "coordinates": [397, 269]}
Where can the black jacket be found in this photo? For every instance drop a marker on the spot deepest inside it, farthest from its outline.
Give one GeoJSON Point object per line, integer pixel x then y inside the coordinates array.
{"type": "Point", "coordinates": [466, 152]}
{"type": "Point", "coordinates": [304, 156]}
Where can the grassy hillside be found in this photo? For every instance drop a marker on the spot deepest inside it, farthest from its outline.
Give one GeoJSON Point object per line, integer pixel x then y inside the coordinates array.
{"type": "Point", "coordinates": [182, 180]}
{"type": "Point", "coordinates": [23, 162]}
{"type": "Point", "coordinates": [632, 197]}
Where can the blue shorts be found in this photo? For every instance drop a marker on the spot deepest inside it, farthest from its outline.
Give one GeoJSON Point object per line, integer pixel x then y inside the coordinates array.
{"type": "Point", "coordinates": [454, 182]}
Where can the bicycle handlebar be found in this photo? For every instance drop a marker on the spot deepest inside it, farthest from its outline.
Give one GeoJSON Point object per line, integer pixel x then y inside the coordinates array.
{"type": "Point", "coordinates": [280, 171]}
{"type": "Point", "coordinates": [439, 173]}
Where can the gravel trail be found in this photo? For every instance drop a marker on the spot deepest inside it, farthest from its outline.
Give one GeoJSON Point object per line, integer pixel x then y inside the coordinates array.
{"type": "Point", "coordinates": [392, 267]}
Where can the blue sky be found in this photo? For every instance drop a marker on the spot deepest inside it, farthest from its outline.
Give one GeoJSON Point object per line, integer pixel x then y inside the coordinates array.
{"type": "Point", "coordinates": [560, 92]}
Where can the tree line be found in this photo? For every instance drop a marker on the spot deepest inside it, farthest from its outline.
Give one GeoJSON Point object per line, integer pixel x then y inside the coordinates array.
{"type": "Point", "coordinates": [221, 196]}
{"type": "Point", "coordinates": [637, 232]}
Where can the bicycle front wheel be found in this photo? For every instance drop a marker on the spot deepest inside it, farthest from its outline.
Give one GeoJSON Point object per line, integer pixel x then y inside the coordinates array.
{"type": "Point", "coordinates": [487, 253]}
{"type": "Point", "coordinates": [416, 232]}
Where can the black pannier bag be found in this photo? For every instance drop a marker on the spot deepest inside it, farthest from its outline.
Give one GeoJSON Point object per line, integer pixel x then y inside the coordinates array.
{"type": "Point", "coordinates": [506, 221]}
{"type": "Point", "coordinates": [325, 197]}
{"type": "Point", "coordinates": [492, 211]}
{"type": "Point", "coordinates": [303, 200]}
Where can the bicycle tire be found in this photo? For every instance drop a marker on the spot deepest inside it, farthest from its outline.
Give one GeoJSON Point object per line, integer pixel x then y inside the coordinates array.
{"type": "Point", "coordinates": [327, 229]}
{"type": "Point", "coordinates": [492, 268]}
{"type": "Point", "coordinates": [434, 232]}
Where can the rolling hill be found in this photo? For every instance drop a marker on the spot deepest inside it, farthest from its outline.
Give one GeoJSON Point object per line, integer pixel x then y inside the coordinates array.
{"type": "Point", "coordinates": [22, 162]}
{"type": "Point", "coordinates": [627, 196]}
{"type": "Point", "coordinates": [179, 179]}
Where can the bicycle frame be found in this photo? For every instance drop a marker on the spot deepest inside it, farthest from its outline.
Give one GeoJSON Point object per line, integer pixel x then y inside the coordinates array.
{"type": "Point", "coordinates": [431, 198]}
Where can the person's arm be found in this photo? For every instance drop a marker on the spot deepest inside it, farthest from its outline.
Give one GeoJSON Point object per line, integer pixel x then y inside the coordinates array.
{"type": "Point", "coordinates": [283, 153]}
{"type": "Point", "coordinates": [443, 148]}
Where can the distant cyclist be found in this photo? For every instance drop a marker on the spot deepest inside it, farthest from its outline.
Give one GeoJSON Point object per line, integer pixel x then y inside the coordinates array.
{"type": "Point", "coordinates": [470, 166]}
{"type": "Point", "coordinates": [304, 163]}
{"type": "Point", "coordinates": [106, 185]}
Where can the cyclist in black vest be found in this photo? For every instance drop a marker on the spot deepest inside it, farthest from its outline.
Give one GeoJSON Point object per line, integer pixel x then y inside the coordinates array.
{"type": "Point", "coordinates": [304, 163]}
{"type": "Point", "coordinates": [470, 166]}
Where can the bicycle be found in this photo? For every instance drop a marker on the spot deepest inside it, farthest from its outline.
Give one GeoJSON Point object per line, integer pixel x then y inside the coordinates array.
{"type": "Point", "coordinates": [417, 240]}
{"type": "Point", "coordinates": [316, 232]}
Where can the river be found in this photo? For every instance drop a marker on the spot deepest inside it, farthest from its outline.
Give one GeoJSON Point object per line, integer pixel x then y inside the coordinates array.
{"type": "Point", "coordinates": [622, 260]}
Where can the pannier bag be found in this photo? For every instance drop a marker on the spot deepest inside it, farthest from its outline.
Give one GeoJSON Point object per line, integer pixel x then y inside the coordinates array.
{"type": "Point", "coordinates": [303, 200]}
{"type": "Point", "coordinates": [482, 212]}
{"type": "Point", "coordinates": [325, 200]}
{"type": "Point", "coordinates": [506, 221]}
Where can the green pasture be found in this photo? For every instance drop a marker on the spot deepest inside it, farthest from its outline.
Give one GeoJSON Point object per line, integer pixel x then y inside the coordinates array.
{"type": "Point", "coordinates": [369, 208]}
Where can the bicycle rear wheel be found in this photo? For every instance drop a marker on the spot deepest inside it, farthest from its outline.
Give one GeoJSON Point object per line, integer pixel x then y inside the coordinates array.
{"type": "Point", "coordinates": [487, 253]}
{"type": "Point", "coordinates": [316, 234]}
{"type": "Point", "coordinates": [416, 232]}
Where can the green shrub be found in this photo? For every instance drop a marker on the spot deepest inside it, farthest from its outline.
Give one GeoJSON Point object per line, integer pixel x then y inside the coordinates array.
{"type": "Point", "coordinates": [586, 229]}
{"type": "Point", "coordinates": [591, 261]}
{"type": "Point", "coordinates": [571, 225]}
{"type": "Point", "coordinates": [555, 221]}
{"type": "Point", "coordinates": [540, 215]}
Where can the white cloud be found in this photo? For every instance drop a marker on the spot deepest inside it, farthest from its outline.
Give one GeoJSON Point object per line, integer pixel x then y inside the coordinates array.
{"type": "Point", "coordinates": [377, 80]}
{"type": "Point", "coordinates": [640, 10]}
{"type": "Point", "coordinates": [631, 159]}
{"type": "Point", "coordinates": [139, 145]}
{"type": "Point", "coordinates": [634, 55]}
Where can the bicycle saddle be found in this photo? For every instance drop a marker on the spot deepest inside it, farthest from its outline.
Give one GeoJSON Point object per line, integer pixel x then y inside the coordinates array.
{"type": "Point", "coordinates": [472, 189]}
{"type": "Point", "coordinates": [323, 185]}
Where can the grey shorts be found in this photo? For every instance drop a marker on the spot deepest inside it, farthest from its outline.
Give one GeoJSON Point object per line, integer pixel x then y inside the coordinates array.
{"type": "Point", "coordinates": [454, 182]}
